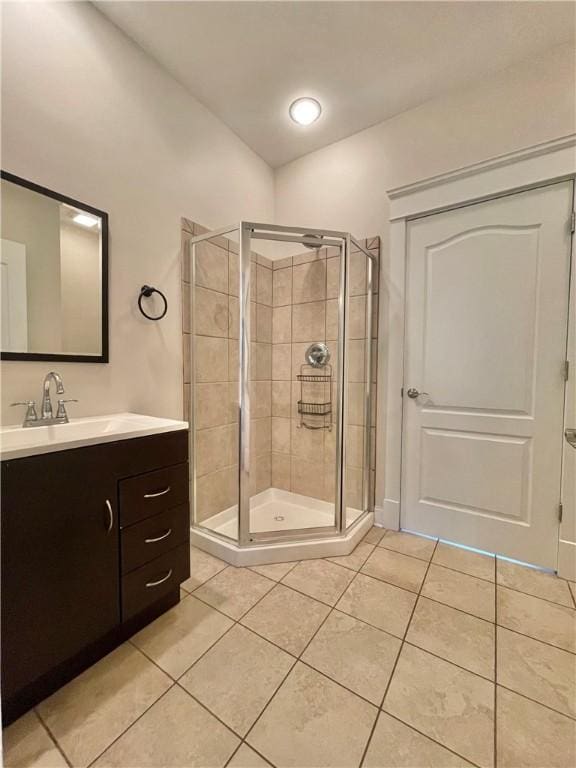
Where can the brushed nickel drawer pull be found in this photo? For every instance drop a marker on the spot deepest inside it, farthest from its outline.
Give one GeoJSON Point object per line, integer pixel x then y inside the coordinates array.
{"type": "Point", "coordinates": [110, 516]}
{"type": "Point", "coordinates": [159, 538]}
{"type": "Point", "coordinates": [160, 581]}
{"type": "Point", "coordinates": [159, 493]}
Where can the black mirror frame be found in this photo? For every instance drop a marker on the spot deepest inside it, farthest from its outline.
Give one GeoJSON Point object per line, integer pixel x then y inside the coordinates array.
{"type": "Point", "coordinates": [61, 358]}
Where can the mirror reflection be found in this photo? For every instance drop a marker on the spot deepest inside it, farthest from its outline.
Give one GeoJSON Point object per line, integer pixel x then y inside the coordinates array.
{"type": "Point", "coordinates": [51, 274]}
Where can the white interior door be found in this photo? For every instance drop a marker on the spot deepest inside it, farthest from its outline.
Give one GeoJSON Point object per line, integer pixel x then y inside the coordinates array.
{"type": "Point", "coordinates": [486, 324]}
{"type": "Point", "coordinates": [13, 298]}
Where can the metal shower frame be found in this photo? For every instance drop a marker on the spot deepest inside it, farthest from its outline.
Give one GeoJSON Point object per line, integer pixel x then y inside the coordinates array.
{"type": "Point", "coordinates": [248, 231]}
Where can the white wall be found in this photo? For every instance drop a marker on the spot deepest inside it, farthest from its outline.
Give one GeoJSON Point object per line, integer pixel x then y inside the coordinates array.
{"type": "Point", "coordinates": [87, 113]}
{"type": "Point", "coordinates": [343, 186]}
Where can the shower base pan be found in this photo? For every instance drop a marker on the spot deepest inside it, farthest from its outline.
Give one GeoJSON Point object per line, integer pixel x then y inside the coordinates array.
{"type": "Point", "coordinates": [273, 511]}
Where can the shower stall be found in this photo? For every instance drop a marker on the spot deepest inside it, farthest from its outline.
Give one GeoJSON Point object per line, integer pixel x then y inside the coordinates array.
{"type": "Point", "coordinates": [282, 352]}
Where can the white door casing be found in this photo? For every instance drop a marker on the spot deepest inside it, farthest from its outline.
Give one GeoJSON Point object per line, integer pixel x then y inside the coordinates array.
{"type": "Point", "coordinates": [486, 322]}
{"type": "Point", "coordinates": [567, 548]}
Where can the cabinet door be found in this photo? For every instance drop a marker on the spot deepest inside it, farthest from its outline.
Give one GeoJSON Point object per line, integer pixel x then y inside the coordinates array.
{"type": "Point", "coordinates": [60, 560]}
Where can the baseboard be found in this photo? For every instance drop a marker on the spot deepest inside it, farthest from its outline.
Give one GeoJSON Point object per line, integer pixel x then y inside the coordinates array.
{"type": "Point", "coordinates": [388, 515]}
{"type": "Point", "coordinates": [567, 559]}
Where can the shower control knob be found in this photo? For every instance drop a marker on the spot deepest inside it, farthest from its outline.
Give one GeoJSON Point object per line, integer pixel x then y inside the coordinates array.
{"type": "Point", "coordinates": [413, 393]}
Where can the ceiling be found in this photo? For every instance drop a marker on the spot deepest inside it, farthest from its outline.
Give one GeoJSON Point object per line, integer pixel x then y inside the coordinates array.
{"type": "Point", "coordinates": [364, 61]}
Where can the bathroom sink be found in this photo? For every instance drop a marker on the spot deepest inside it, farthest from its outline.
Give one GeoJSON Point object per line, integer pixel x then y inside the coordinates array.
{"type": "Point", "coordinates": [17, 442]}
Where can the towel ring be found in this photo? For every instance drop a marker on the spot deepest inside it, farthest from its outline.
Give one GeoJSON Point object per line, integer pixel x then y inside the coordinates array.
{"type": "Point", "coordinates": [147, 291]}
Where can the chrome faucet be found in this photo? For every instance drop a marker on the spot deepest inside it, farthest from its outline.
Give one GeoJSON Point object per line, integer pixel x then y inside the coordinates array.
{"type": "Point", "coordinates": [47, 418]}
{"type": "Point", "coordinates": [46, 402]}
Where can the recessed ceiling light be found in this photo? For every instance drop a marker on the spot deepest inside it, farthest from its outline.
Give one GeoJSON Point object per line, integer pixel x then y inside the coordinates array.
{"type": "Point", "coordinates": [84, 220]}
{"type": "Point", "coordinates": [305, 111]}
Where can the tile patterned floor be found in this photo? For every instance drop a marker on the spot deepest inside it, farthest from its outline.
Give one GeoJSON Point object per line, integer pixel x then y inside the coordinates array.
{"type": "Point", "coordinates": [408, 653]}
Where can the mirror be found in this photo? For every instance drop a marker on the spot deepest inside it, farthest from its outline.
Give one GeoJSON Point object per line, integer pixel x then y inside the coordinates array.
{"type": "Point", "coordinates": [53, 276]}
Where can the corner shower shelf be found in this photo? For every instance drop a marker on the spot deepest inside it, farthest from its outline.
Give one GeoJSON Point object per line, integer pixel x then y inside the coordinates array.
{"type": "Point", "coordinates": [317, 404]}
{"type": "Point", "coordinates": [314, 377]}
{"type": "Point", "coordinates": [314, 409]}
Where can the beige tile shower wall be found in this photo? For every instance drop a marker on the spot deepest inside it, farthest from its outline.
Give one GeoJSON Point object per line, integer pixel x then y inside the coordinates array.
{"type": "Point", "coordinates": [305, 309]}
{"type": "Point", "coordinates": [260, 374]}
{"type": "Point", "coordinates": [216, 369]}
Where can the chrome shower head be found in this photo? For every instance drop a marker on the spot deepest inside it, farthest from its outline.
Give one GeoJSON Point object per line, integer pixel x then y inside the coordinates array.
{"type": "Point", "coordinates": [318, 240]}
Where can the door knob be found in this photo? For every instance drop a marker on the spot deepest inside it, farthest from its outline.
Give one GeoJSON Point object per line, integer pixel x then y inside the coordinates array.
{"type": "Point", "coordinates": [570, 435]}
{"type": "Point", "coordinates": [413, 393]}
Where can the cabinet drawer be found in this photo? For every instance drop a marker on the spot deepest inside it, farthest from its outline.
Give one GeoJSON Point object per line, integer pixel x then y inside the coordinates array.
{"type": "Point", "coordinates": [154, 492]}
{"type": "Point", "coordinates": [150, 538]}
{"type": "Point", "coordinates": [144, 586]}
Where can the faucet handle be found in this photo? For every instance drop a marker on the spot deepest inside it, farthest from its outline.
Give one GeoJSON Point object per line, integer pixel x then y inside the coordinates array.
{"type": "Point", "coordinates": [61, 412]}
{"type": "Point", "coordinates": [31, 414]}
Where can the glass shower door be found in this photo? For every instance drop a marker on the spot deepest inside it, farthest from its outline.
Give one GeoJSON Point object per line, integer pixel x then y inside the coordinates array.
{"type": "Point", "coordinates": [212, 318]}
{"type": "Point", "coordinates": [294, 306]}
{"type": "Point", "coordinates": [361, 350]}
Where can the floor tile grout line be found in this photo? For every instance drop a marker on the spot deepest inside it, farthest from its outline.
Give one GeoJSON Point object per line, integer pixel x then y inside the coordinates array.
{"type": "Point", "coordinates": [481, 578]}
{"type": "Point", "coordinates": [464, 573]}
{"type": "Point", "coordinates": [430, 738]}
{"type": "Point", "coordinates": [176, 682]}
{"type": "Point", "coordinates": [536, 639]}
{"type": "Point", "coordinates": [292, 564]}
{"type": "Point", "coordinates": [52, 736]}
{"type": "Point", "coordinates": [503, 626]}
{"type": "Point", "coordinates": [368, 623]}
{"type": "Point", "coordinates": [412, 644]}
{"type": "Point", "coordinates": [299, 659]}
{"type": "Point", "coordinates": [391, 583]}
{"type": "Point", "coordinates": [536, 597]}
{"type": "Point", "coordinates": [239, 747]}
{"type": "Point", "coordinates": [210, 712]}
{"type": "Point", "coordinates": [455, 608]}
{"type": "Point", "coordinates": [406, 642]}
{"type": "Point", "coordinates": [399, 552]}
{"type": "Point", "coordinates": [366, 748]}
{"type": "Point", "coordinates": [572, 591]}
{"type": "Point", "coordinates": [141, 715]}
{"type": "Point", "coordinates": [497, 558]}
{"type": "Point", "coordinates": [535, 701]}
{"type": "Point", "coordinates": [177, 679]}
{"type": "Point", "coordinates": [411, 592]}
{"type": "Point", "coordinates": [224, 567]}
{"type": "Point", "coordinates": [235, 622]}
{"type": "Point", "coordinates": [233, 618]}
{"type": "Point", "coordinates": [349, 568]}
{"type": "Point", "coordinates": [446, 605]}
{"type": "Point", "coordinates": [337, 682]}
{"type": "Point", "coordinates": [318, 600]}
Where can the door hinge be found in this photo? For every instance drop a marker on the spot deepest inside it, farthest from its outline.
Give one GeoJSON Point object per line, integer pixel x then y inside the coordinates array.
{"type": "Point", "coordinates": [402, 392]}
{"type": "Point", "coordinates": [573, 222]}
{"type": "Point", "coordinates": [560, 512]}
{"type": "Point", "coordinates": [566, 370]}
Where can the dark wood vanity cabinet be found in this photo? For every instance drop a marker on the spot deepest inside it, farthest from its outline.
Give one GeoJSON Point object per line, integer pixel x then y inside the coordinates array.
{"type": "Point", "coordinates": [95, 543]}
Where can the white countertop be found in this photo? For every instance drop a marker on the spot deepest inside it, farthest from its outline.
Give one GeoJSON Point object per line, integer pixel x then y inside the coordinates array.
{"type": "Point", "coordinates": [17, 442]}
